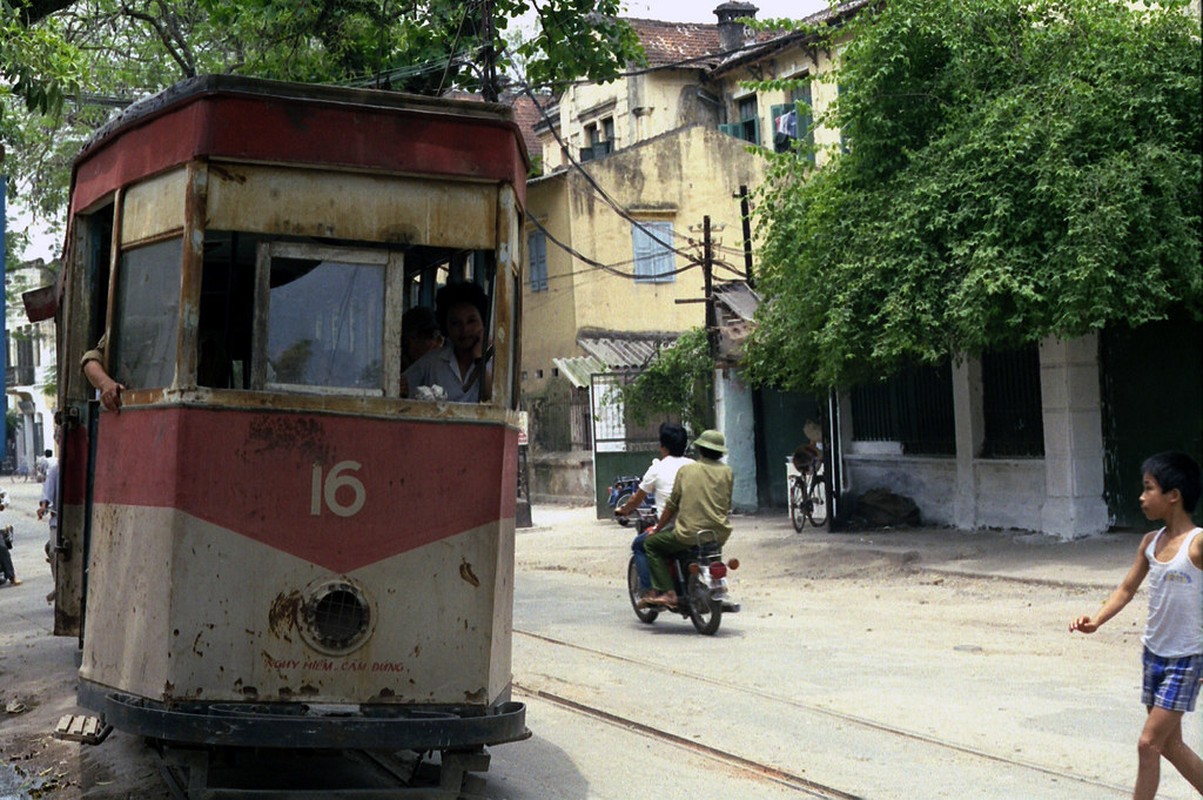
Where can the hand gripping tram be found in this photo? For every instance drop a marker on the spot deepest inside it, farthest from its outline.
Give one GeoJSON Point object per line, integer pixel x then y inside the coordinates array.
{"type": "Point", "coordinates": [268, 548]}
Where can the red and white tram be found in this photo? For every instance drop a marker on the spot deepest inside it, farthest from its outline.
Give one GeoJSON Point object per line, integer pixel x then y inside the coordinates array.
{"type": "Point", "coordinates": [269, 546]}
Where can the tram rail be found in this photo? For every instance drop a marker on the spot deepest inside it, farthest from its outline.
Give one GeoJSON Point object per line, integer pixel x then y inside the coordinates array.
{"type": "Point", "coordinates": [852, 719]}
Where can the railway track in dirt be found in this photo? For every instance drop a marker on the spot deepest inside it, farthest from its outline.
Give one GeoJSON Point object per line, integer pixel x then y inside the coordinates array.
{"type": "Point", "coordinates": [805, 786]}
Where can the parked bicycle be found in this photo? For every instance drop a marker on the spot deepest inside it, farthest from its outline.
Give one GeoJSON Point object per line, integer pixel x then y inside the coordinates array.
{"type": "Point", "coordinates": [808, 495]}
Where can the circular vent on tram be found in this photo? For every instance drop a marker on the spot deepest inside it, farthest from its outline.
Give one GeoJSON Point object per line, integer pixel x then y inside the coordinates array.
{"type": "Point", "coordinates": [336, 617]}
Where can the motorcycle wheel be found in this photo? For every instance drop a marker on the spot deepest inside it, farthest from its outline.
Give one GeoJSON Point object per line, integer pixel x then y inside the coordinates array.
{"type": "Point", "coordinates": [619, 503]}
{"type": "Point", "coordinates": [704, 611]}
{"type": "Point", "coordinates": [647, 615]}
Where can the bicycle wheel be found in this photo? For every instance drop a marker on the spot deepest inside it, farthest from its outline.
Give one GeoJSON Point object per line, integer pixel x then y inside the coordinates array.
{"type": "Point", "coordinates": [817, 507]}
{"type": "Point", "coordinates": [797, 504]}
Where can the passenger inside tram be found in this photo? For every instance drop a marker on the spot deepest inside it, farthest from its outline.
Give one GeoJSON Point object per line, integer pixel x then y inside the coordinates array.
{"type": "Point", "coordinates": [456, 371]}
{"type": "Point", "coordinates": [303, 315]}
{"type": "Point", "coordinates": [419, 335]}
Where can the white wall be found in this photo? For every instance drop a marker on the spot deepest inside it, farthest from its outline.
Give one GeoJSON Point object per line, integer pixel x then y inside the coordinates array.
{"type": "Point", "coordinates": [1060, 494]}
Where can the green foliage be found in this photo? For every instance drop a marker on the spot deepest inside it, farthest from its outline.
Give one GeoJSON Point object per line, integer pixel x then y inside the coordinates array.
{"type": "Point", "coordinates": [1016, 169]}
{"type": "Point", "coordinates": [62, 75]}
{"type": "Point", "coordinates": [679, 381]}
{"type": "Point", "coordinates": [38, 65]}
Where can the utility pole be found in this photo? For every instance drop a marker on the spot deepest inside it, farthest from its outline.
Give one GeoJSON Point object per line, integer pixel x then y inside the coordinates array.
{"type": "Point", "coordinates": [489, 90]}
{"type": "Point", "coordinates": [4, 297]}
{"type": "Point", "coordinates": [708, 275]}
{"type": "Point", "coordinates": [745, 213]}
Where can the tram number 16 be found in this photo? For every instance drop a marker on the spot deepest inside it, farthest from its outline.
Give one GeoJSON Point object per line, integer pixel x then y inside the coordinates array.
{"type": "Point", "coordinates": [326, 491]}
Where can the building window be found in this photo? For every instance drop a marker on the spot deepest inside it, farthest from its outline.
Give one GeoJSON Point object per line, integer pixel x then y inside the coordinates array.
{"type": "Point", "coordinates": [1012, 413]}
{"type": "Point", "coordinates": [794, 121]}
{"type": "Point", "coordinates": [913, 407]}
{"type": "Point", "coordinates": [653, 252]}
{"type": "Point", "coordinates": [599, 140]}
{"type": "Point", "coordinates": [536, 245]}
{"type": "Point", "coordinates": [748, 126]}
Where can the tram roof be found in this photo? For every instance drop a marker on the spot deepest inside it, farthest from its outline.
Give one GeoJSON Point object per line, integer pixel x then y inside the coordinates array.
{"type": "Point", "coordinates": [257, 120]}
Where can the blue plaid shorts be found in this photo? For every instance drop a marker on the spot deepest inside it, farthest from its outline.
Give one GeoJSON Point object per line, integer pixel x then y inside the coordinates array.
{"type": "Point", "coordinates": [1171, 683]}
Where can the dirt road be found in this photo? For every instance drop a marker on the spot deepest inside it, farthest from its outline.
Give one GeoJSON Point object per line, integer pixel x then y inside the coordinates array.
{"type": "Point", "coordinates": [857, 657]}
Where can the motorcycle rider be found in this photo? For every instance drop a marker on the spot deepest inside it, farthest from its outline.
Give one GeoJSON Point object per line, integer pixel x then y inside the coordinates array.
{"type": "Point", "coordinates": [658, 483]}
{"type": "Point", "coordinates": [700, 500]}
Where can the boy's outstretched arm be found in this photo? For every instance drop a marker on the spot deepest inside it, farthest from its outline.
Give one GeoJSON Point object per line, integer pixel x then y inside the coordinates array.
{"type": "Point", "coordinates": [1122, 594]}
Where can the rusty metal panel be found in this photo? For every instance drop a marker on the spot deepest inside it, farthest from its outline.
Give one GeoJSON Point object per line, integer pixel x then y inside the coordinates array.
{"type": "Point", "coordinates": [154, 207]}
{"type": "Point", "coordinates": [507, 289]}
{"type": "Point", "coordinates": [193, 256]}
{"type": "Point", "coordinates": [350, 206]}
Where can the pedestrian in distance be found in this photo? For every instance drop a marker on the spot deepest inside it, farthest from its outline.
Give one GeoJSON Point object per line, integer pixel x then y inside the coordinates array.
{"type": "Point", "coordinates": [48, 506]}
{"type": "Point", "coordinates": [1172, 558]}
{"type": "Point", "coordinates": [6, 544]}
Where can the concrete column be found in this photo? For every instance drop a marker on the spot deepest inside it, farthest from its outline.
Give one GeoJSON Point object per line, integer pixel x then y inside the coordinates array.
{"type": "Point", "coordinates": [734, 413]}
{"type": "Point", "coordinates": [1073, 438]}
{"type": "Point", "coordinates": [970, 434]}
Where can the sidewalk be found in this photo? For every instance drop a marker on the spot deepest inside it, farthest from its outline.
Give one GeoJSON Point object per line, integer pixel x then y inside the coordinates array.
{"type": "Point", "coordinates": [1093, 562]}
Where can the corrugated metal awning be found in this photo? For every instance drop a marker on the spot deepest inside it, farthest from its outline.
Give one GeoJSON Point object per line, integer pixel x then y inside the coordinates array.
{"type": "Point", "coordinates": [620, 350]}
{"type": "Point", "coordinates": [738, 298]}
{"type": "Point", "coordinates": [579, 369]}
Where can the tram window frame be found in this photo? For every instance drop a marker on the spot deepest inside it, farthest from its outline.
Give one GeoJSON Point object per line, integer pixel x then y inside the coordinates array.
{"type": "Point", "coordinates": [145, 327]}
{"type": "Point", "coordinates": [391, 261]}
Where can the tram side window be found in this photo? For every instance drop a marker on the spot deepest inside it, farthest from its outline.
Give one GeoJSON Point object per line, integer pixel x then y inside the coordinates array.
{"type": "Point", "coordinates": [148, 296]}
{"type": "Point", "coordinates": [326, 325]}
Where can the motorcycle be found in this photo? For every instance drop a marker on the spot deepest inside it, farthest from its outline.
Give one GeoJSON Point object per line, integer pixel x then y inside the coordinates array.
{"type": "Point", "coordinates": [699, 577]}
{"type": "Point", "coordinates": [620, 492]}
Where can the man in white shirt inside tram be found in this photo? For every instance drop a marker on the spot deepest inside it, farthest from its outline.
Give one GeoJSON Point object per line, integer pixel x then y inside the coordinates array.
{"type": "Point", "coordinates": [453, 371]}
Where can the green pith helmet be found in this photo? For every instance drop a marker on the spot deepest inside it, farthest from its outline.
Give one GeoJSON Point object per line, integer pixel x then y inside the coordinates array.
{"type": "Point", "coordinates": [712, 440]}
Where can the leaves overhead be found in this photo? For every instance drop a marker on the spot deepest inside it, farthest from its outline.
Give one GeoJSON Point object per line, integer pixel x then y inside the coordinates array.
{"type": "Point", "coordinates": [1016, 169]}
{"type": "Point", "coordinates": [64, 66]}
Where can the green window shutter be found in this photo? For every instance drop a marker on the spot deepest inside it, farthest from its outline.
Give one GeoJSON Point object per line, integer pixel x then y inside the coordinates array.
{"type": "Point", "coordinates": [731, 129]}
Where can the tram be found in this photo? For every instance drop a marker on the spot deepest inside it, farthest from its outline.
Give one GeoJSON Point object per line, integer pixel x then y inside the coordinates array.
{"type": "Point", "coordinates": [268, 544]}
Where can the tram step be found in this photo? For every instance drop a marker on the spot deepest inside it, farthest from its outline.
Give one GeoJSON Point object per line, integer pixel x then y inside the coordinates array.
{"type": "Point", "coordinates": [82, 728]}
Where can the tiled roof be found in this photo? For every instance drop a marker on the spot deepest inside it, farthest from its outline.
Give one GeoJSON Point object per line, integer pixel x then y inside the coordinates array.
{"type": "Point", "coordinates": [527, 115]}
{"type": "Point", "coordinates": [672, 42]}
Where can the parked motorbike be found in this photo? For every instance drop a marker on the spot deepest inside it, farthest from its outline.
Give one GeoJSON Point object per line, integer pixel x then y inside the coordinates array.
{"type": "Point", "coordinates": [699, 577]}
{"type": "Point", "coordinates": [620, 492]}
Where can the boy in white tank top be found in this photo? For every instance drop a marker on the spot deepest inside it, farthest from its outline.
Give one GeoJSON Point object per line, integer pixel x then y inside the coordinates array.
{"type": "Point", "coordinates": [1172, 558]}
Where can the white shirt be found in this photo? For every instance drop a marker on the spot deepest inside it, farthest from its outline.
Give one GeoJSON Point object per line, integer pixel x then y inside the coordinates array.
{"type": "Point", "coordinates": [1175, 626]}
{"type": "Point", "coordinates": [441, 368]}
{"type": "Point", "coordinates": [658, 481]}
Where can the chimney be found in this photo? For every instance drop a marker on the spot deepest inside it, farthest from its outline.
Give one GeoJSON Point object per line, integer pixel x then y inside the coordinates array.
{"type": "Point", "coordinates": [731, 34]}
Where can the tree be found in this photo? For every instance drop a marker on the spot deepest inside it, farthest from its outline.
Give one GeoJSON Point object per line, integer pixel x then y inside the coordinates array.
{"type": "Point", "coordinates": [1014, 169]}
{"type": "Point", "coordinates": [678, 382]}
{"type": "Point", "coordinates": [64, 66]}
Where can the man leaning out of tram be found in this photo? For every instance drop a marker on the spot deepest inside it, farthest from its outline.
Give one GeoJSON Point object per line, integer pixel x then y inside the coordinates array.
{"type": "Point", "coordinates": [700, 501]}
{"type": "Point", "coordinates": [108, 389]}
{"type": "Point", "coordinates": [454, 371]}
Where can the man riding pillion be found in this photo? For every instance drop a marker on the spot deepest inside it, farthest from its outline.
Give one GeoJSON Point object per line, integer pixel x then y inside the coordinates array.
{"type": "Point", "coordinates": [700, 501]}
{"type": "Point", "coordinates": [658, 483]}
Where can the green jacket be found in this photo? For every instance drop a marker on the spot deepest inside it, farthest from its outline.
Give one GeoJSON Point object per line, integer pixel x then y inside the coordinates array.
{"type": "Point", "coordinates": [701, 500]}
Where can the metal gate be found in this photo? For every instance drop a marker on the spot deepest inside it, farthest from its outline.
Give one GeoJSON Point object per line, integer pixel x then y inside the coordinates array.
{"type": "Point", "coordinates": [1152, 387]}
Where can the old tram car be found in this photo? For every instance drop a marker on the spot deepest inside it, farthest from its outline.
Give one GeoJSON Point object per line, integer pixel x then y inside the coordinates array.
{"type": "Point", "coordinates": [268, 546]}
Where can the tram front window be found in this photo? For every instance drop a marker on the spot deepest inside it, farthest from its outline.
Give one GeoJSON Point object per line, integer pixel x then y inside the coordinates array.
{"type": "Point", "coordinates": [148, 299]}
{"type": "Point", "coordinates": [325, 326]}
